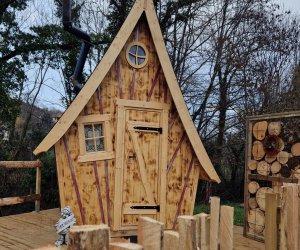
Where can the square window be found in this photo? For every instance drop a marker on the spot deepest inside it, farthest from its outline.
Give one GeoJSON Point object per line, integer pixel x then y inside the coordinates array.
{"type": "Point", "coordinates": [94, 138]}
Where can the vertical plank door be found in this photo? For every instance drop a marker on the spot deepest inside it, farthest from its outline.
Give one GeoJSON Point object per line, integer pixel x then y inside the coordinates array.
{"type": "Point", "coordinates": [140, 153]}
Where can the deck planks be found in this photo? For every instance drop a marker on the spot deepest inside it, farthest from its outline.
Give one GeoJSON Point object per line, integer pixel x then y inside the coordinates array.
{"type": "Point", "coordinates": [34, 230]}
{"type": "Point", "coordinates": [29, 230]}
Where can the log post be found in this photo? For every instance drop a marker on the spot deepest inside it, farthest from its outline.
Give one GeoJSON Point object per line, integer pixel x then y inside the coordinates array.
{"type": "Point", "coordinates": [150, 233]}
{"type": "Point", "coordinates": [226, 228]}
{"type": "Point", "coordinates": [89, 237]}
{"type": "Point", "coordinates": [298, 185]}
{"type": "Point", "coordinates": [20, 164]}
{"type": "Point", "coordinates": [289, 218]}
{"type": "Point", "coordinates": [38, 187]}
{"type": "Point", "coordinates": [214, 222]}
{"type": "Point", "coordinates": [124, 246]}
{"type": "Point", "coordinates": [202, 230]}
{"type": "Point", "coordinates": [271, 225]}
{"type": "Point", "coordinates": [171, 240]}
{"type": "Point", "coordinates": [187, 232]}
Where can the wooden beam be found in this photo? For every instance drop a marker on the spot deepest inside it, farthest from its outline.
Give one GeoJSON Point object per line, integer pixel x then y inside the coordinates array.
{"type": "Point", "coordinates": [89, 237]}
{"type": "Point", "coordinates": [38, 188]}
{"type": "Point", "coordinates": [214, 222]}
{"type": "Point", "coordinates": [202, 230]}
{"type": "Point", "coordinates": [124, 246]}
{"type": "Point", "coordinates": [271, 178]}
{"type": "Point", "coordinates": [19, 199]}
{"type": "Point", "coordinates": [271, 226]}
{"type": "Point", "coordinates": [226, 228]}
{"type": "Point", "coordinates": [150, 233]}
{"type": "Point", "coordinates": [290, 217]}
{"type": "Point", "coordinates": [171, 240]}
{"type": "Point", "coordinates": [20, 164]}
{"type": "Point", "coordinates": [119, 168]}
{"type": "Point", "coordinates": [273, 116]}
{"type": "Point", "coordinates": [163, 162]}
{"type": "Point", "coordinates": [187, 233]}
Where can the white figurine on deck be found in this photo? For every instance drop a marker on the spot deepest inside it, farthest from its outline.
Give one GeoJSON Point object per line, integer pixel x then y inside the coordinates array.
{"type": "Point", "coordinates": [63, 225]}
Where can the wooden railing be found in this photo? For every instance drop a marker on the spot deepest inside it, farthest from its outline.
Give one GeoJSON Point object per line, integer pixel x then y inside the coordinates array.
{"type": "Point", "coordinates": [21, 199]}
{"type": "Point", "coordinates": [282, 219]}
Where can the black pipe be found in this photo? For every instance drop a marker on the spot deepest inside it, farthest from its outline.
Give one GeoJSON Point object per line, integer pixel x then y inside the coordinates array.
{"type": "Point", "coordinates": [86, 43]}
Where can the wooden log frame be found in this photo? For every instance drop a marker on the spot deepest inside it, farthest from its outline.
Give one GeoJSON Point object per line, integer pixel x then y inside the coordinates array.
{"type": "Point", "coordinates": [28, 198]}
{"type": "Point", "coordinates": [275, 179]}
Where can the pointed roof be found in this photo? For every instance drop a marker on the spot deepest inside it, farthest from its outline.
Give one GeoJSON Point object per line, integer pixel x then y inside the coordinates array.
{"type": "Point", "coordinates": [104, 66]}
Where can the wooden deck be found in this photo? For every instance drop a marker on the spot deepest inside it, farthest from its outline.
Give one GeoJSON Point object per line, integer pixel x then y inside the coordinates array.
{"type": "Point", "coordinates": [33, 230]}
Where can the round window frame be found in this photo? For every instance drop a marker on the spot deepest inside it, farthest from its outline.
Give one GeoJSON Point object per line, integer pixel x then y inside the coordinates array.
{"type": "Point", "coordinates": [137, 66]}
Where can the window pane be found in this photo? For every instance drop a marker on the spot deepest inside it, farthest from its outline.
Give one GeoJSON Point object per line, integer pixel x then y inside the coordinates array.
{"type": "Point", "coordinates": [89, 144]}
{"type": "Point", "coordinates": [141, 60]}
{"type": "Point", "coordinates": [133, 49]}
{"type": "Point", "coordinates": [100, 144]}
{"type": "Point", "coordinates": [98, 130]}
{"type": "Point", "coordinates": [88, 131]}
{"type": "Point", "coordinates": [132, 59]}
{"type": "Point", "coordinates": [141, 51]}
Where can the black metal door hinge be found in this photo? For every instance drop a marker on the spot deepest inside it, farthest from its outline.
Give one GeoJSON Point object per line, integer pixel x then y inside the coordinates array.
{"type": "Point", "coordinates": [157, 207]}
{"type": "Point", "coordinates": [149, 129]}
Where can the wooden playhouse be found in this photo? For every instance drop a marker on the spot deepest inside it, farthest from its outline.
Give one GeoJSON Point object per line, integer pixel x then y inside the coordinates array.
{"type": "Point", "coordinates": [126, 146]}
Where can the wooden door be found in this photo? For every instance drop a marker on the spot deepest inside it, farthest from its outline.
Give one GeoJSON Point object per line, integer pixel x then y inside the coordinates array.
{"type": "Point", "coordinates": [140, 181]}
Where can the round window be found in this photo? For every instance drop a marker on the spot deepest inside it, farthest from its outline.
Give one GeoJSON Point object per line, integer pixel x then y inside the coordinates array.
{"type": "Point", "coordinates": [136, 55]}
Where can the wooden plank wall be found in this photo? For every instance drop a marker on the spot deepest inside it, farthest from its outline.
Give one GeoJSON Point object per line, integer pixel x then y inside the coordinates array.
{"type": "Point", "coordinates": [146, 84]}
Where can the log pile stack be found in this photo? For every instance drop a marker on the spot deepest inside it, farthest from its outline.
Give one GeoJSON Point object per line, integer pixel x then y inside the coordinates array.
{"type": "Point", "coordinates": [272, 159]}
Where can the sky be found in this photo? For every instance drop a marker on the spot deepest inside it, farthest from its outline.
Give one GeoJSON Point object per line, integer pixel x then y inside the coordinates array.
{"type": "Point", "coordinates": [51, 97]}
{"type": "Point", "coordinates": [293, 5]}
